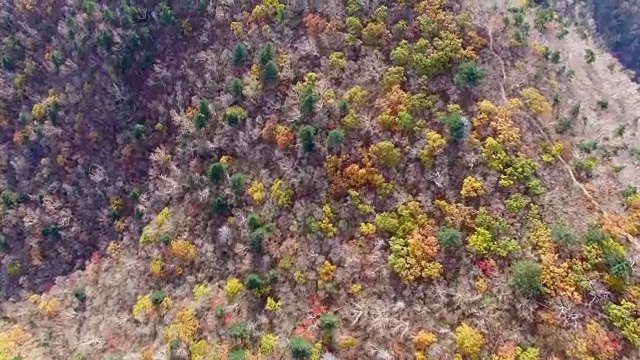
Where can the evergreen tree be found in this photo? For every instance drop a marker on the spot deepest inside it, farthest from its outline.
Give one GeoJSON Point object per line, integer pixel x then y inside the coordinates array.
{"type": "Point", "coordinates": [240, 55]}
{"type": "Point", "coordinates": [306, 138]}
{"type": "Point", "coordinates": [456, 126]}
{"type": "Point", "coordinates": [526, 278]}
{"type": "Point", "coordinates": [308, 100]}
{"type": "Point", "coordinates": [469, 75]}
{"type": "Point", "coordinates": [236, 88]}
{"type": "Point", "coordinates": [216, 172]}
{"type": "Point", "coordinates": [270, 73]}
{"type": "Point", "coordinates": [266, 55]}
{"type": "Point", "coordinates": [300, 348]}
{"type": "Point", "coordinates": [335, 139]}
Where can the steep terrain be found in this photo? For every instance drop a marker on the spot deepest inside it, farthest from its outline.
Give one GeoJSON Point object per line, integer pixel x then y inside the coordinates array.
{"type": "Point", "coordinates": [315, 180]}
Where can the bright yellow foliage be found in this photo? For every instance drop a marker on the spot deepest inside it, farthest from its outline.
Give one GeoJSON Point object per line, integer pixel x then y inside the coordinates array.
{"type": "Point", "coordinates": [281, 193]}
{"type": "Point", "coordinates": [150, 233]}
{"type": "Point", "coordinates": [268, 343]}
{"type": "Point", "coordinates": [361, 206]}
{"type": "Point", "coordinates": [559, 278]}
{"type": "Point", "coordinates": [535, 101]}
{"type": "Point", "coordinates": [355, 289]}
{"type": "Point", "coordinates": [272, 305]}
{"type": "Point", "coordinates": [367, 229]}
{"type": "Point", "coordinates": [232, 288]}
{"type": "Point", "coordinates": [325, 225]}
{"type": "Point", "coordinates": [469, 340]}
{"type": "Point", "coordinates": [38, 111]}
{"type": "Point", "coordinates": [200, 350]}
{"type": "Point", "coordinates": [162, 217]}
{"type": "Point", "coordinates": [156, 267]}
{"type": "Point", "coordinates": [355, 96]}
{"type": "Point", "coordinates": [49, 307]}
{"type": "Point", "coordinates": [435, 143]}
{"type": "Point", "coordinates": [347, 342]}
{"type": "Point", "coordinates": [185, 325]}
{"type": "Point", "coordinates": [552, 151]}
{"type": "Point", "coordinates": [143, 305]}
{"type": "Point", "coordinates": [499, 119]}
{"type": "Point", "coordinates": [236, 27]}
{"type": "Point", "coordinates": [337, 61]}
{"type": "Point", "coordinates": [256, 191]}
{"type": "Point", "coordinates": [182, 249]}
{"type": "Point", "coordinates": [471, 187]}
{"type": "Point", "coordinates": [494, 154]}
{"type": "Point", "coordinates": [10, 342]}
{"type": "Point", "coordinates": [200, 291]}
{"type": "Point", "coordinates": [423, 339]}
{"type": "Point", "coordinates": [326, 271]}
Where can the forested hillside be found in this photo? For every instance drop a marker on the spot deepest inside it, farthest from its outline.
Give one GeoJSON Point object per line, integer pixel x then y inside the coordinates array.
{"type": "Point", "coordinates": [244, 179]}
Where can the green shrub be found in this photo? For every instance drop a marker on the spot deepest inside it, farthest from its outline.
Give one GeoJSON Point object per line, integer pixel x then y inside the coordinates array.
{"type": "Point", "coordinates": [564, 124]}
{"type": "Point", "coordinates": [543, 16]}
{"type": "Point", "coordinates": [455, 125]}
{"type": "Point", "coordinates": [587, 147]}
{"type": "Point", "coordinates": [449, 238]}
{"type": "Point", "coordinates": [216, 172]}
{"type": "Point", "coordinates": [469, 75]}
{"type": "Point", "coordinates": [308, 100]}
{"type": "Point", "coordinates": [300, 348]}
{"type": "Point", "coordinates": [535, 187]}
{"type": "Point", "coordinates": [157, 297]}
{"type": "Point", "coordinates": [202, 116]}
{"type": "Point", "coordinates": [238, 330]}
{"type": "Point", "coordinates": [166, 15]}
{"type": "Point", "coordinates": [138, 131]}
{"type": "Point", "coordinates": [621, 316]}
{"type": "Point", "coordinates": [240, 55]}
{"type": "Point", "coordinates": [79, 294]}
{"type": "Point", "coordinates": [237, 185]}
{"type": "Point", "coordinates": [589, 56]}
{"type": "Point", "coordinates": [254, 281]}
{"type": "Point", "coordinates": [266, 55]}
{"type": "Point", "coordinates": [594, 235]}
{"type": "Point", "coordinates": [306, 135]}
{"type": "Point", "coordinates": [328, 322]}
{"type": "Point", "coordinates": [255, 239]}
{"type": "Point", "coordinates": [253, 222]}
{"type": "Point", "coordinates": [343, 106]}
{"type": "Point", "coordinates": [237, 353]}
{"type": "Point", "coordinates": [563, 235]}
{"type": "Point", "coordinates": [405, 121]}
{"type": "Point", "coordinates": [525, 278]}
{"type": "Point", "coordinates": [335, 139]}
{"type": "Point", "coordinates": [134, 195]}
{"type": "Point", "coordinates": [515, 203]}
{"type": "Point", "coordinates": [220, 206]}
{"type": "Point", "coordinates": [270, 73]}
{"type": "Point", "coordinates": [236, 88]}
{"type": "Point", "coordinates": [628, 191]}
{"type": "Point", "coordinates": [617, 264]}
